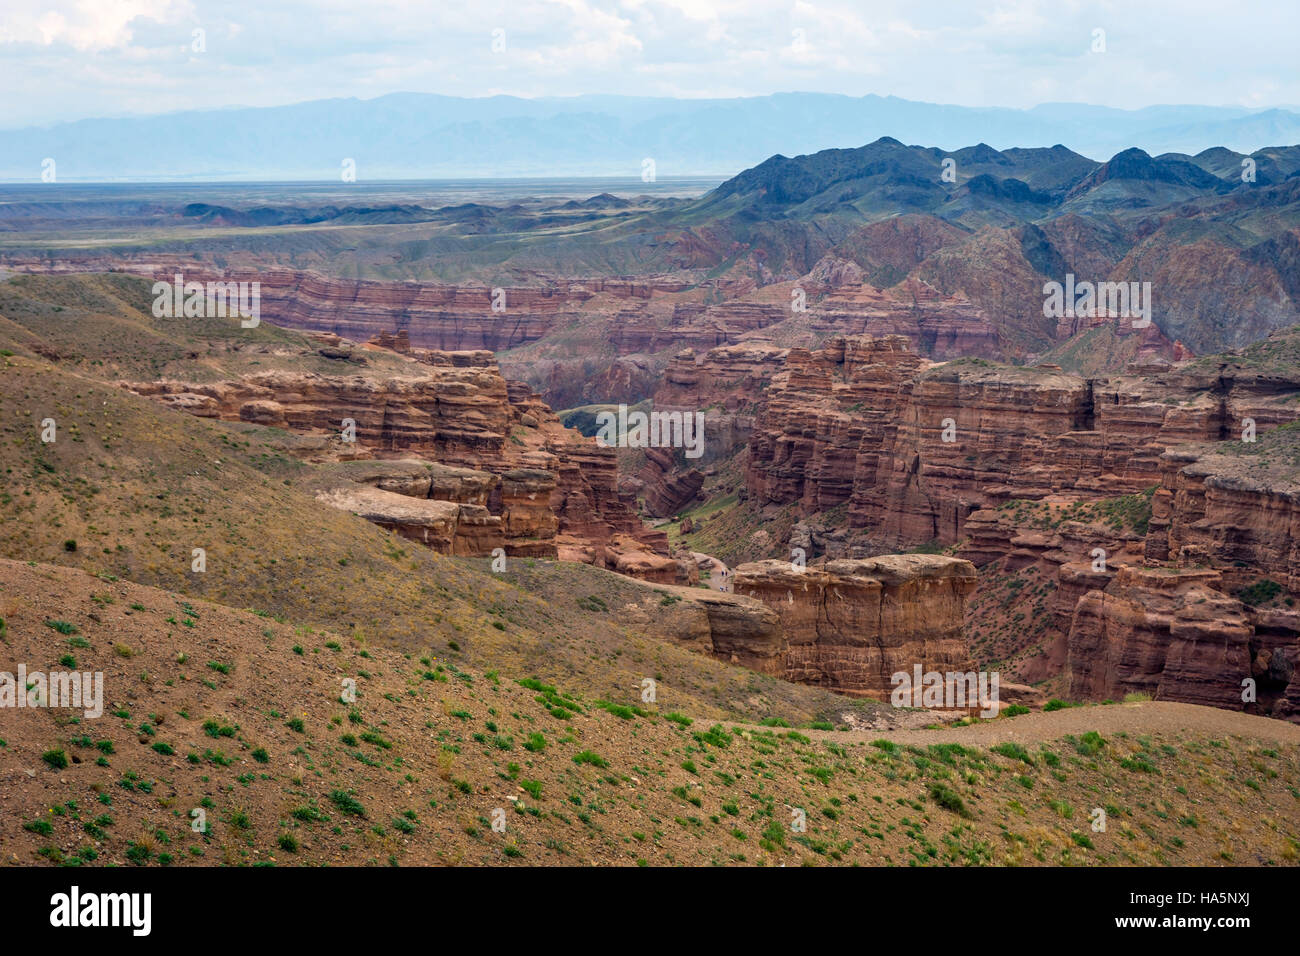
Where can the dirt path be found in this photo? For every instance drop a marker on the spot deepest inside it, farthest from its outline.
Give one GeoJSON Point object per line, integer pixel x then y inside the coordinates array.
{"type": "Point", "coordinates": [717, 579]}
{"type": "Point", "coordinates": [1138, 718]}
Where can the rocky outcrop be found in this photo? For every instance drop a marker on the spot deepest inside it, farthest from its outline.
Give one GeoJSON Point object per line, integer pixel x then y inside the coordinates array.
{"type": "Point", "coordinates": [827, 415]}
{"type": "Point", "coordinates": [936, 325]}
{"type": "Point", "coordinates": [666, 488]}
{"type": "Point", "coordinates": [1226, 516]}
{"type": "Point", "coordinates": [1016, 465]}
{"type": "Point", "coordinates": [1170, 633]}
{"type": "Point", "coordinates": [627, 555]}
{"type": "Point", "coordinates": [1065, 552]}
{"type": "Point", "coordinates": [445, 526]}
{"type": "Point", "coordinates": [915, 450]}
{"type": "Point", "coordinates": [693, 325]}
{"type": "Point", "coordinates": [850, 625]}
{"type": "Point", "coordinates": [1225, 510]}
{"type": "Point", "coordinates": [733, 628]}
{"type": "Point", "coordinates": [433, 315]}
{"type": "Point", "coordinates": [440, 506]}
{"type": "Point", "coordinates": [520, 479]}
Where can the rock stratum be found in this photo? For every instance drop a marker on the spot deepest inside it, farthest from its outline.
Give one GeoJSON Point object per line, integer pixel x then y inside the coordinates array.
{"type": "Point", "coordinates": [850, 625]}
{"type": "Point", "coordinates": [846, 626]}
{"type": "Point", "coordinates": [1157, 507]}
{"type": "Point", "coordinates": [450, 454]}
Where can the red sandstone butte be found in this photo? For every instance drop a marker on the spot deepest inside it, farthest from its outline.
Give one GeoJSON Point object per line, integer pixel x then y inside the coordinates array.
{"type": "Point", "coordinates": [850, 625]}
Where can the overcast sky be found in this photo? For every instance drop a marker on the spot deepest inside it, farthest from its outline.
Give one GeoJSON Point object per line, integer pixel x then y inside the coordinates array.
{"type": "Point", "coordinates": [69, 59]}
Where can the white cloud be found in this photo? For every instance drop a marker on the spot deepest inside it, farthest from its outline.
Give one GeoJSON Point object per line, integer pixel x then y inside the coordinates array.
{"type": "Point", "coordinates": [83, 25]}
{"type": "Point", "coordinates": [64, 59]}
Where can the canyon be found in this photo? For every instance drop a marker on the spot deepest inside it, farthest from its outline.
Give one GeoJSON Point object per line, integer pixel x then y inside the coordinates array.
{"type": "Point", "coordinates": [871, 448]}
{"type": "Point", "coordinates": [1137, 499]}
{"type": "Point", "coordinates": [876, 372]}
{"type": "Point", "coordinates": [451, 454]}
{"type": "Point", "coordinates": [593, 339]}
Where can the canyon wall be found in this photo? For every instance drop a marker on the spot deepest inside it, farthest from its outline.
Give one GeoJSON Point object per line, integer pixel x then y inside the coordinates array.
{"type": "Point", "coordinates": [935, 325]}
{"type": "Point", "coordinates": [1170, 633]}
{"type": "Point", "coordinates": [915, 449]}
{"type": "Point", "coordinates": [630, 326]}
{"type": "Point", "coordinates": [462, 435]}
{"type": "Point", "coordinates": [1227, 510]}
{"type": "Point", "coordinates": [1037, 474]}
{"type": "Point", "coordinates": [850, 625]}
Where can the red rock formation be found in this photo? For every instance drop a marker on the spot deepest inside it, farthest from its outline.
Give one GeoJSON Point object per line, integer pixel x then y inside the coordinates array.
{"type": "Point", "coordinates": [851, 625]}
{"type": "Point", "coordinates": [937, 326]}
{"type": "Point", "coordinates": [692, 325]}
{"type": "Point", "coordinates": [1211, 509]}
{"type": "Point", "coordinates": [445, 526]}
{"type": "Point", "coordinates": [545, 486]}
{"type": "Point", "coordinates": [442, 507]}
{"type": "Point", "coordinates": [433, 315]}
{"type": "Point", "coordinates": [823, 409]}
{"type": "Point", "coordinates": [667, 489]}
{"type": "Point", "coordinates": [1167, 632]}
{"type": "Point", "coordinates": [867, 426]}
{"type": "Point", "coordinates": [870, 429]}
{"type": "Point", "coordinates": [739, 630]}
{"type": "Point", "coordinates": [1064, 553]}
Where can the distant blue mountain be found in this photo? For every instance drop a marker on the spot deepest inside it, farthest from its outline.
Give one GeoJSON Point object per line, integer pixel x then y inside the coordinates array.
{"type": "Point", "coordinates": [420, 136]}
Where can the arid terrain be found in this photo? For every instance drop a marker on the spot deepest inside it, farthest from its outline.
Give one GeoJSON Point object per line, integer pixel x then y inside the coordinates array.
{"type": "Point", "coordinates": [237, 715]}
{"type": "Point", "coordinates": [365, 579]}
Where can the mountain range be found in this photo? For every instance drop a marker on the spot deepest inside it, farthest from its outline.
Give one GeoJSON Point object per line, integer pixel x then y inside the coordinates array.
{"type": "Point", "coordinates": [419, 135]}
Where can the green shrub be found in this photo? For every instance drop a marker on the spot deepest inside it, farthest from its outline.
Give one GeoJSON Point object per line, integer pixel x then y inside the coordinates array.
{"type": "Point", "coordinates": [1090, 744]}
{"type": "Point", "coordinates": [1014, 751]}
{"type": "Point", "coordinates": [589, 757]}
{"type": "Point", "coordinates": [346, 803]}
{"type": "Point", "coordinates": [1261, 592]}
{"type": "Point", "coordinates": [948, 799]}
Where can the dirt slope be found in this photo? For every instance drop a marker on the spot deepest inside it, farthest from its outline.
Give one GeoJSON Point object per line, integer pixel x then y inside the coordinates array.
{"type": "Point", "coordinates": [239, 715]}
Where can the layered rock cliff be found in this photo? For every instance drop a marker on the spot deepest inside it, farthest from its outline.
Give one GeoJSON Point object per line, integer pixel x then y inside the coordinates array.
{"type": "Point", "coordinates": [461, 435]}
{"type": "Point", "coordinates": [1069, 493]}
{"type": "Point", "coordinates": [1234, 505]}
{"type": "Point", "coordinates": [1168, 632]}
{"type": "Point", "coordinates": [916, 449]}
{"type": "Point", "coordinates": [850, 625]}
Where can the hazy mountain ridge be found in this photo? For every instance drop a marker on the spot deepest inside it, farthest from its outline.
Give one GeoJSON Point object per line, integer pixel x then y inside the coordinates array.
{"type": "Point", "coordinates": [417, 135]}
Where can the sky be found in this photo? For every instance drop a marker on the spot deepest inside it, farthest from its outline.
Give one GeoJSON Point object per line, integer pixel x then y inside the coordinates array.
{"type": "Point", "coordinates": [70, 59]}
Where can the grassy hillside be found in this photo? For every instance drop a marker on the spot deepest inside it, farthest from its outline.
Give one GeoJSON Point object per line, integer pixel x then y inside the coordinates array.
{"type": "Point", "coordinates": [240, 716]}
